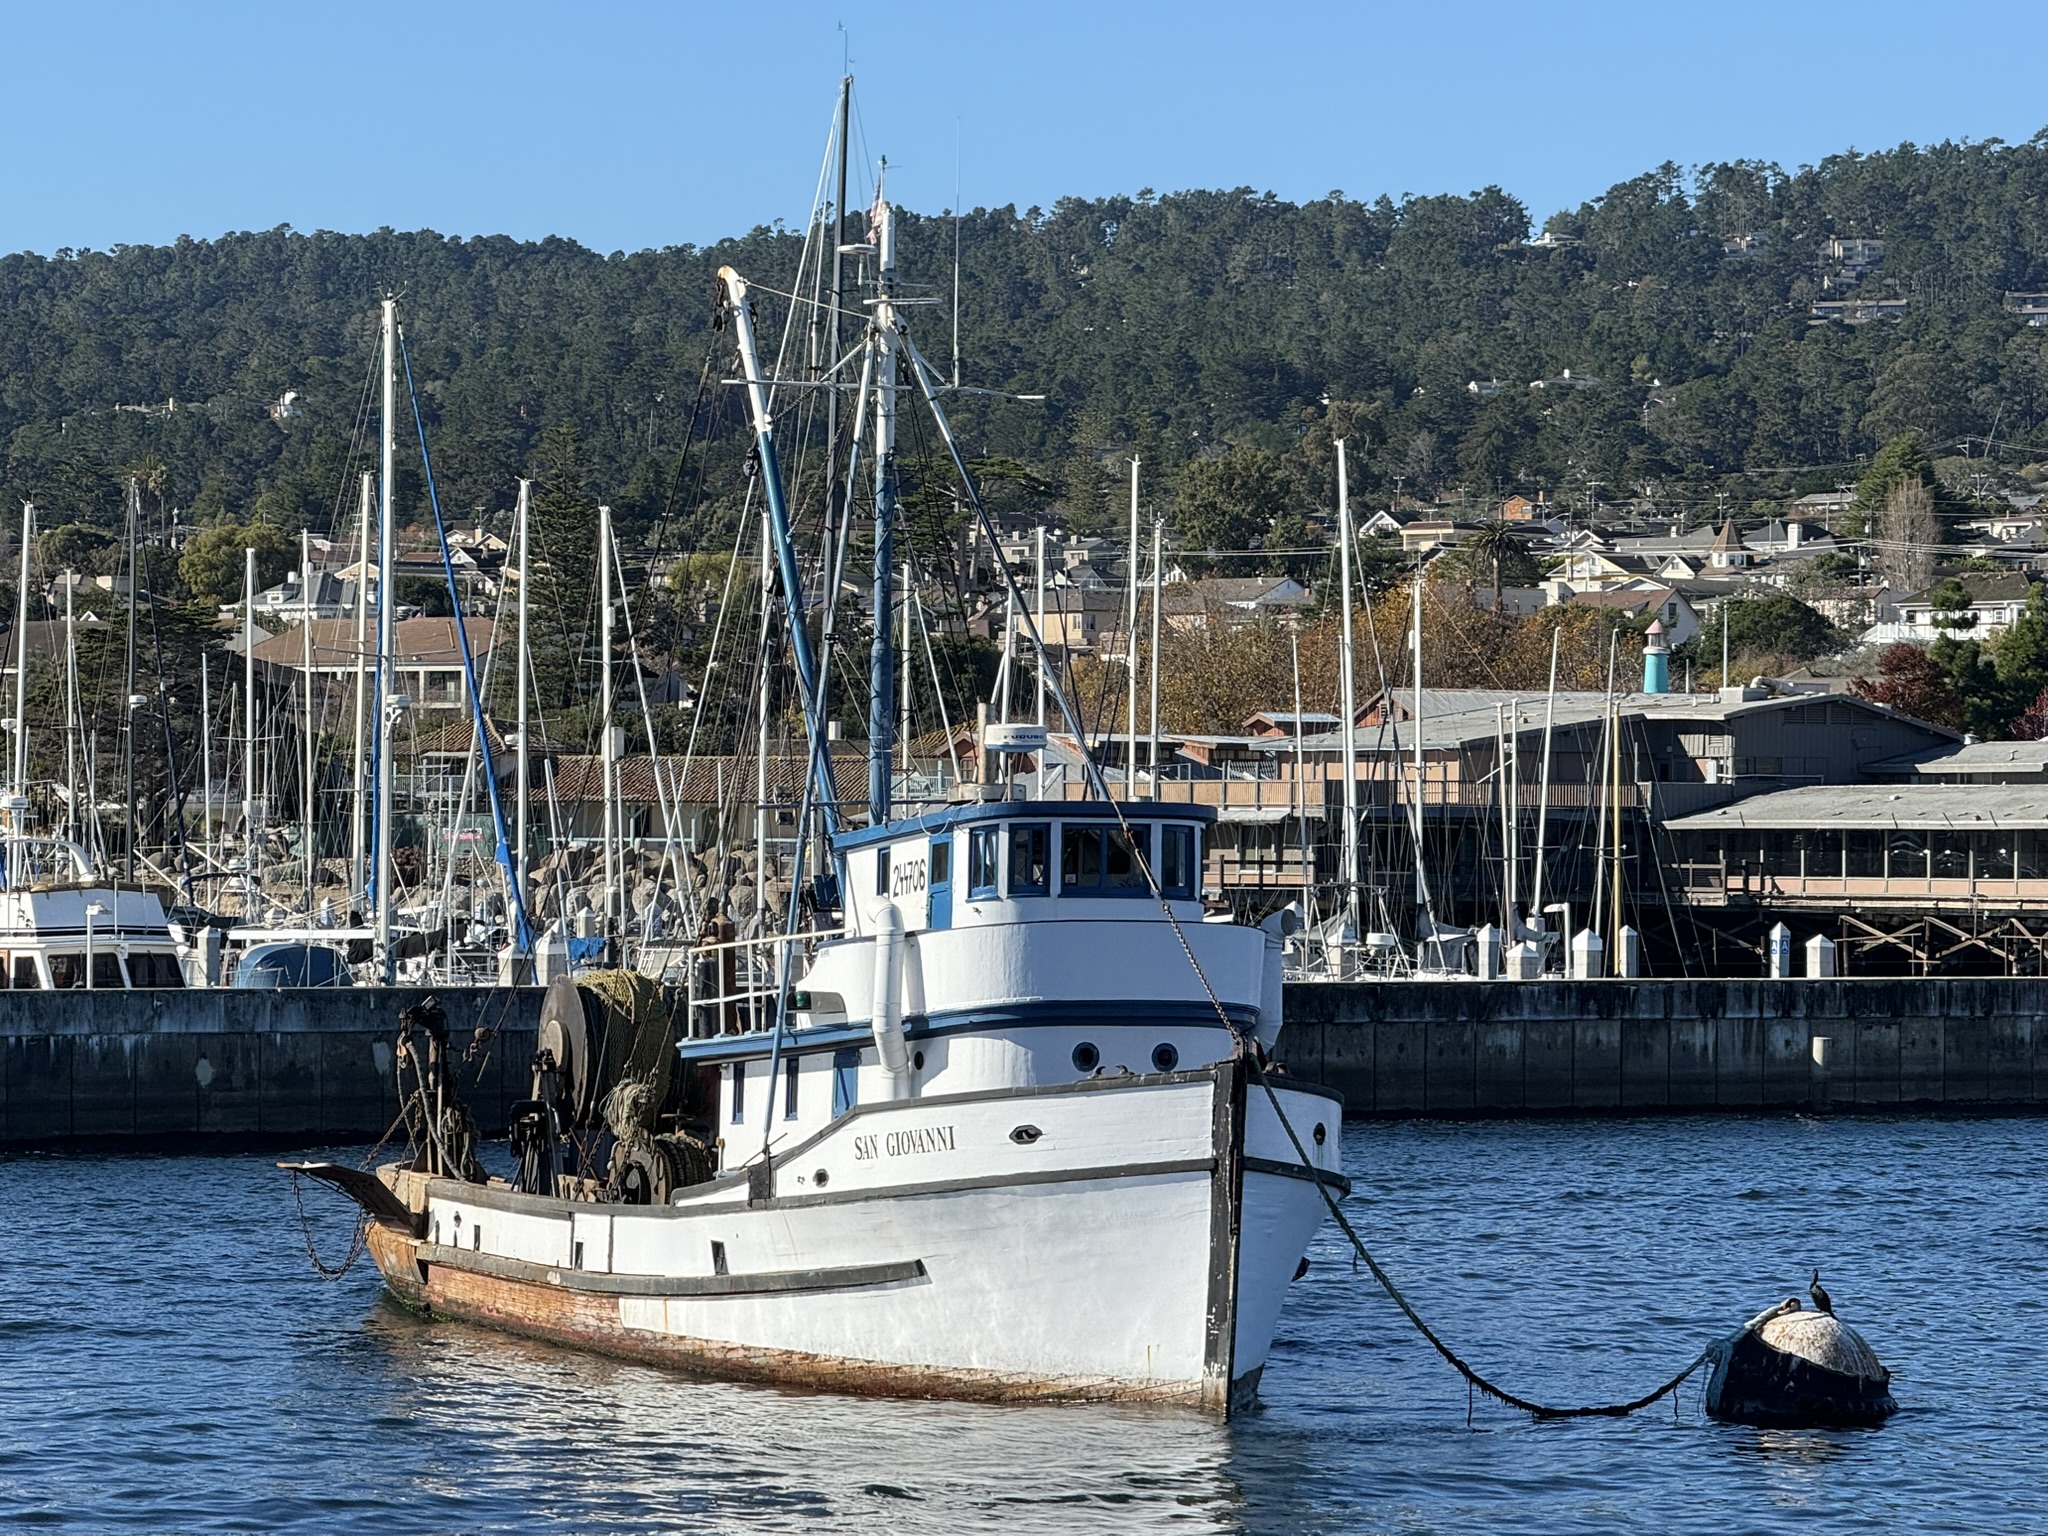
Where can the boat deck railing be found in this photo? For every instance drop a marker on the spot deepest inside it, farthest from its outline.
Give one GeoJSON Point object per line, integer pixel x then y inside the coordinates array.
{"type": "Point", "coordinates": [736, 985]}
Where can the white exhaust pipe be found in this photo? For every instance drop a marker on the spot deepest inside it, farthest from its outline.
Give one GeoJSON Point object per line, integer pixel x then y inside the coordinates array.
{"type": "Point", "coordinates": [888, 1000]}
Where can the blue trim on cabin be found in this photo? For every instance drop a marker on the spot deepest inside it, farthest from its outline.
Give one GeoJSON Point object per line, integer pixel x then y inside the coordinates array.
{"type": "Point", "coordinates": [1021, 810]}
{"type": "Point", "coordinates": [1105, 1013]}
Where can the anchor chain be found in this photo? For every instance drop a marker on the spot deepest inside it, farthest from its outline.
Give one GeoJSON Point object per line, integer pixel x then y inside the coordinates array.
{"type": "Point", "coordinates": [1472, 1377]}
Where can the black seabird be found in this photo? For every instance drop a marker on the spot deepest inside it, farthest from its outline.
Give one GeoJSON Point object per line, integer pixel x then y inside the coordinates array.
{"type": "Point", "coordinates": [1821, 1300]}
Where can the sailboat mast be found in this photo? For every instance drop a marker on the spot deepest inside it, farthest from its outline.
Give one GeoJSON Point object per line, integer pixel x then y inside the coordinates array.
{"type": "Point", "coordinates": [1308, 863]}
{"type": "Point", "coordinates": [1543, 796]}
{"type": "Point", "coordinates": [383, 875]}
{"type": "Point", "coordinates": [1348, 681]}
{"type": "Point", "coordinates": [521, 773]}
{"type": "Point", "coordinates": [356, 839]}
{"type": "Point", "coordinates": [28, 529]}
{"type": "Point", "coordinates": [1131, 651]}
{"type": "Point", "coordinates": [128, 690]}
{"type": "Point", "coordinates": [910, 656]}
{"type": "Point", "coordinates": [1421, 885]}
{"type": "Point", "coordinates": [1038, 666]}
{"type": "Point", "coordinates": [832, 333]}
{"type": "Point", "coordinates": [71, 709]}
{"type": "Point", "coordinates": [1152, 748]}
{"type": "Point", "coordinates": [249, 733]}
{"type": "Point", "coordinates": [307, 803]}
{"type": "Point", "coordinates": [604, 718]}
{"type": "Point", "coordinates": [881, 672]}
{"type": "Point", "coordinates": [205, 744]}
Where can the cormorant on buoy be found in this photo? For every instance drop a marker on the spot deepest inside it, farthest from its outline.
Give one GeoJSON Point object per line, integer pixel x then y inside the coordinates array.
{"type": "Point", "coordinates": [1822, 1301]}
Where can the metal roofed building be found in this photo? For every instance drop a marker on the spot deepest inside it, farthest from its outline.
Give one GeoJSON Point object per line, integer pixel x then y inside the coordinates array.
{"type": "Point", "coordinates": [1916, 877]}
{"type": "Point", "coordinates": [1974, 762]}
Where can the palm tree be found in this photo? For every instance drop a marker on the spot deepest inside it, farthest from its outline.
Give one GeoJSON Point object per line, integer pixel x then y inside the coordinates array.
{"type": "Point", "coordinates": [1493, 545]}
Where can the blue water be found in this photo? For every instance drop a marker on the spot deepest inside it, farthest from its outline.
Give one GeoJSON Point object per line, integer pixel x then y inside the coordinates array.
{"type": "Point", "coordinates": [170, 1363]}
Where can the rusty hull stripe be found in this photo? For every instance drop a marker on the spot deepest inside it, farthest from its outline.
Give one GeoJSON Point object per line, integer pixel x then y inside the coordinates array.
{"type": "Point", "coordinates": [846, 1278]}
{"type": "Point", "coordinates": [589, 1320]}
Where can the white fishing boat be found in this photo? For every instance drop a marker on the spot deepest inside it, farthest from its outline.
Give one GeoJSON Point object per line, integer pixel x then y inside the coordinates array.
{"type": "Point", "coordinates": [995, 1122]}
{"type": "Point", "coordinates": [62, 925]}
{"type": "Point", "coordinates": [1017, 1141]}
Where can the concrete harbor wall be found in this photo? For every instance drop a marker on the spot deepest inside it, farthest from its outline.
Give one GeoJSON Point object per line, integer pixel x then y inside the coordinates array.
{"type": "Point", "coordinates": [1647, 1047]}
{"type": "Point", "coordinates": [261, 1064]}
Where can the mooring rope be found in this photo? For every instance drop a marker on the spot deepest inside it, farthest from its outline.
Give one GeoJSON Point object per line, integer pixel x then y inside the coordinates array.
{"type": "Point", "coordinates": [1472, 1377]}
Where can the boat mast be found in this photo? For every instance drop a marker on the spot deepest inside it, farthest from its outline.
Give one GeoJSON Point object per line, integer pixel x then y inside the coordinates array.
{"type": "Point", "coordinates": [249, 734]}
{"type": "Point", "coordinates": [1308, 863]}
{"type": "Point", "coordinates": [604, 719]}
{"type": "Point", "coordinates": [521, 786]}
{"type": "Point", "coordinates": [1543, 798]}
{"type": "Point", "coordinates": [1421, 879]}
{"type": "Point", "coordinates": [71, 710]}
{"type": "Point", "coordinates": [28, 525]}
{"type": "Point", "coordinates": [881, 674]}
{"type": "Point", "coordinates": [306, 661]}
{"type": "Point", "coordinates": [909, 657]}
{"type": "Point", "coordinates": [205, 744]}
{"type": "Point", "coordinates": [1039, 661]}
{"type": "Point", "coordinates": [828, 565]}
{"type": "Point", "coordinates": [1348, 681]}
{"type": "Point", "coordinates": [128, 692]}
{"type": "Point", "coordinates": [1131, 651]}
{"type": "Point", "coordinates": [810, 682]}
{"type": "Point", "coordinates": [383, 876]}
{"type": "Point", "coordinates": [1152, 748]}
{"type": "Point", "coordinates": [356, 797]}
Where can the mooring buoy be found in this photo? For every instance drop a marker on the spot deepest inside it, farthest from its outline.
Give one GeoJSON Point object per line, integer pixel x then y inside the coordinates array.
{"type": "Point", "coordinates": [1789, 1368]}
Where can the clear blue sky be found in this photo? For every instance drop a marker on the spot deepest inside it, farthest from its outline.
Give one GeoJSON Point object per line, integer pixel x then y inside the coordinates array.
{"type": "Point", "coordinates": [625, 125]}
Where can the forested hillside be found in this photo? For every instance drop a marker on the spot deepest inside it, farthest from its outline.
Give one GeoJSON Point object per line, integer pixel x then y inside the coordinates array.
{"type": "Point", "coordinates": [1178, 325]}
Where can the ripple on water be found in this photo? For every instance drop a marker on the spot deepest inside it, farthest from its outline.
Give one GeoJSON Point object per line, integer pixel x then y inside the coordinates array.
{"type": "Point", "coordinates": [184, 1382]}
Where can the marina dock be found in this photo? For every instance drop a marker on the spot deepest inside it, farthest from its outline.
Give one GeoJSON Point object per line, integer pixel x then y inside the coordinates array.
{"type": "Point", "coordinates": [276, 1065]}
{"type": "Point", "coordinates": [1451, 1048]}
{"type": "Point", "coordinates": [285, 1065]}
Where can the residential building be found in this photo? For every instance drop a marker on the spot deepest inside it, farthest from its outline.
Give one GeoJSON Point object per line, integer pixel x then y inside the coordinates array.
{"type": "Point", "coordinates": [428, 656]}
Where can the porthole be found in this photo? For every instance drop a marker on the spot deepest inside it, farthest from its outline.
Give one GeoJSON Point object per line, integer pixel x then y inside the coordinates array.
{"type": "Point", "coordinates": [1321, 1133]}
{"type": "Point", "coordinates": [1165, 1056]}
{"type": "Point", "coordinates": [821, 1178]}
{"type": "Point", "coordinates": [1086, 1057]}
{"type": "Point", "coordinates": [1024, 1135]}
{"type": "Point", "coordinates": [917, 1061]}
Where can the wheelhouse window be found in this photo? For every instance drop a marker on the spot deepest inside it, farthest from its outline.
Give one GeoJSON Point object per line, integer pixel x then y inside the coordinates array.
{"type": "Point", "coordinates": [106, 971]}
{"type": "Point", "coordinates": [1029, 855]}
{"type": "Point", "coordinates": [882, 870]}
{"type": "Point", "coordinates": [25, 978]}
{"type": "Point", "coordinates": [146, 969]}
{"type": "Point", "coordinates": [67, 971]}
{"type": "Point", "coordinates": [1103, 861]}
{"type": "Point", "coordinates": [1177, 865]}
{"type": "Point", "coordinates": [984, 863]}
{"type": "Point", "coordinates": [845, 1080]}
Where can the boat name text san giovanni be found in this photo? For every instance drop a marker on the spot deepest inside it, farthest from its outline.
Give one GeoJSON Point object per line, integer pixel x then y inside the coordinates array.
{"type": "Point", "coordinates": [911, 1143]}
